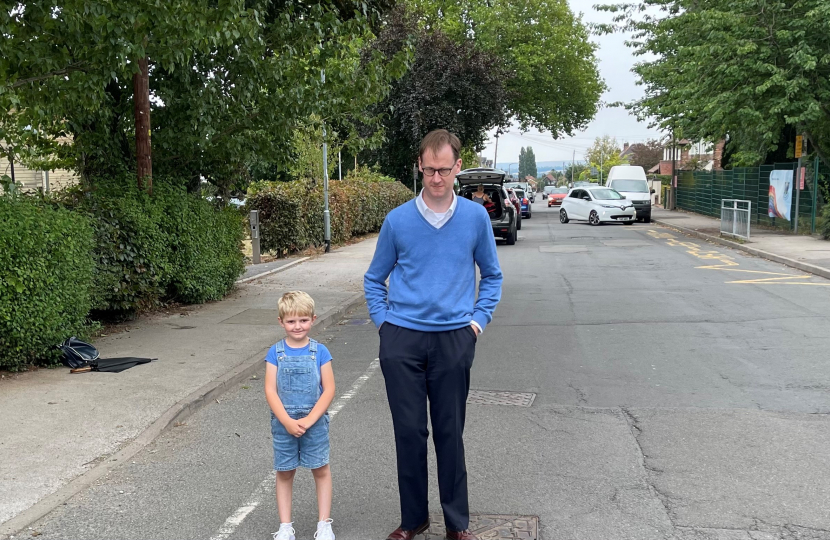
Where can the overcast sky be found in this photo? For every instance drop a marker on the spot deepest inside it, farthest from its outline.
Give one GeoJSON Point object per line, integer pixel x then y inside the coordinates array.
{"type": "Point", "coordinates": [615, 62]}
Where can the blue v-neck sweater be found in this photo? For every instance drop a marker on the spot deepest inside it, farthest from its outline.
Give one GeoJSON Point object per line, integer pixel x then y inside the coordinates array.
{"type": "Point", "coordinates": [432, 276]}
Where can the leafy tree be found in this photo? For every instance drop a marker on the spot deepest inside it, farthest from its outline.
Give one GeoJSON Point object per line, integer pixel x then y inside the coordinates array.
{"type": "Point", "coordinates": [573, 171]}
{"type": "Point", "coordinates": [229, 82]}
{"type": "Point", "coordinates": [554, 81]}
{"type": "Point", "coordinates": [450, 85]}
{"type": "Point", "coordinates": [527, 163]}
{"type": "Point", "coordinates": [646, 155]}
{"type": "Point", "coordinates": [604, 154]}
{"type": "Point", "coordinates": [744, 70]}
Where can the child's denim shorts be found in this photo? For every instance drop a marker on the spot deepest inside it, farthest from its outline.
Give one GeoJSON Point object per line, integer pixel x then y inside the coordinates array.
{"type": "Point", "coordinates": [310, 451]}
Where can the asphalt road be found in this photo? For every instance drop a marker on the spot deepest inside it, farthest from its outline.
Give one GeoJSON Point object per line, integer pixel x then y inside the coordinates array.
{"type": "Point", "coordinates": [682, 391]}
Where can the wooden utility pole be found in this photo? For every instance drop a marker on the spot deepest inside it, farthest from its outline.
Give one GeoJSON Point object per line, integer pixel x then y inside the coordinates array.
{"type": "Point", "coordinates": [141, 97]}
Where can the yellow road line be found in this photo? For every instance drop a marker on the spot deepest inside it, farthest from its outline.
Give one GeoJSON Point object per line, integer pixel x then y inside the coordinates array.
{"type": "Point", "coordinates": [726, 264]}
{"type": "Point", "coordinates": [769, 279]}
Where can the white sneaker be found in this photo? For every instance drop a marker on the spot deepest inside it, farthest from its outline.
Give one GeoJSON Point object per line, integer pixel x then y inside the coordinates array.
{"type": "Point", "coordinates": [286, 532]}
{"type": "Point", "coordinates": [324, 531]}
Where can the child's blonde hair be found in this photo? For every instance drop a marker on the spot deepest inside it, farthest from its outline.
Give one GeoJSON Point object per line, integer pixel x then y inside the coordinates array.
{"type": "Point", "coordinates": [296, 303]}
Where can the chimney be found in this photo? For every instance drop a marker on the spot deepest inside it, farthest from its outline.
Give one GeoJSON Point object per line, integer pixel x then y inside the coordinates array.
{"type": "Point", "coordinates": [717, 157]}
{"type": "Point", "coordinates": [625, 147]}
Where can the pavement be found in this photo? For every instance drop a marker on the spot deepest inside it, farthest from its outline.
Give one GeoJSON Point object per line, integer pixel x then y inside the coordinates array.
{"type": "Point", "coordinates": [680, 391]}
{"type": "Point", "coordinates": [808, 253]}
{"type": "Point", "coordinates": [58, 428]}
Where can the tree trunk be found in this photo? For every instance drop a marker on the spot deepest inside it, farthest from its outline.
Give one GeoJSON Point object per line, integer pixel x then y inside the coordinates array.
{"type": "Point", "coordinates": [141, 97]}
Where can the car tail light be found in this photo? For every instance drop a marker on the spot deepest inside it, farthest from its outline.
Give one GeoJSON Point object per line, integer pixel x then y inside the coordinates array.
{"type": "Point", "coordinates": [524, 200]}
{"type": "Point", "coordinates": [507, 202]}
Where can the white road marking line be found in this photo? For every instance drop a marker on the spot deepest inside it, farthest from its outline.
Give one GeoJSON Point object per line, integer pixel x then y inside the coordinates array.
{"type": "Point", "coordinates": [341, 402]}
{"type": "Point", "coordinates": [266, 487]}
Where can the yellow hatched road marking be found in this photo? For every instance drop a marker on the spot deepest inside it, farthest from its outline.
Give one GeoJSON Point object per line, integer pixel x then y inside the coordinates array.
{"type": "Point", "coordinates": [727, 263]}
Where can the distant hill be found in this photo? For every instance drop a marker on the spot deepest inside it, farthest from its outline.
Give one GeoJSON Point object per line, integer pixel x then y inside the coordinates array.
{"type": "Point", "coordinates": [541, 166]}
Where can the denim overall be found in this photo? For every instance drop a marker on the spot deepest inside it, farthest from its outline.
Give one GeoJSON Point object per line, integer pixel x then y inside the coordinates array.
{"type": "Point", "coordinates": [298, 386]}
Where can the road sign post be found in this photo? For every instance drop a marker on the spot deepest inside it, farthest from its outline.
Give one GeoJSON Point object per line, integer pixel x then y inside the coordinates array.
{"type": "Point", "coordinates": [799, 181]}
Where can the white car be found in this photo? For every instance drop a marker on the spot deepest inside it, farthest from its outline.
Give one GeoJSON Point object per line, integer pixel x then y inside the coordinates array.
{"type": "Point", "coordinates": [597, 205]}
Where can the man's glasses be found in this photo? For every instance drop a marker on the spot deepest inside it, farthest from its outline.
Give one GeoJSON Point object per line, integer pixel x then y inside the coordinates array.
{"type": "Point", "coordinates": [430, 171]}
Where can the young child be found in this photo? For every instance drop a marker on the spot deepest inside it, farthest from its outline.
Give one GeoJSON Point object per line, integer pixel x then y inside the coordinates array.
{"type": "Point", "coordinates": [299, 387]}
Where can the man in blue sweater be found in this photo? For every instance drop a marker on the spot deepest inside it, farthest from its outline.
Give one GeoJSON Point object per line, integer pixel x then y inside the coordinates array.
{"type": "Point", "coordinates": [429, 320]}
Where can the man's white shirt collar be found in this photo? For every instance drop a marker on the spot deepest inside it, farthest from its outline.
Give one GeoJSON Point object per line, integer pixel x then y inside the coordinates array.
{"type": "Point", "coordinates": [433, 218]}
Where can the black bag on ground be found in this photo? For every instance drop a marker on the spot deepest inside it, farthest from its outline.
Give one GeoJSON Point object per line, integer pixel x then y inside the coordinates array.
{"type": "Point", "coordinates": [77, 353]}
{"type": "Point", "coordinates": [117, 365]}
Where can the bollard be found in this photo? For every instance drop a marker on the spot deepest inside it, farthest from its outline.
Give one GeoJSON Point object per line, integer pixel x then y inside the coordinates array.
{"type": "Point", "coordinates": [254, 220]}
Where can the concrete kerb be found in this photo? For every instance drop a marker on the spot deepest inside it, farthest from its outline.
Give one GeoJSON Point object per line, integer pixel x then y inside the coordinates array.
{"type": "Point", "coordinates": [805, 267]}
{"type": "Point", "coordinates": [274, 271]}
{"type": "Point", "coordinates": [175, 414]}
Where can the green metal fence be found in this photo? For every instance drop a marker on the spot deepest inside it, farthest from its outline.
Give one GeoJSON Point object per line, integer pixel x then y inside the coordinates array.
{"type": "Point", "coordinates": [702, 192]}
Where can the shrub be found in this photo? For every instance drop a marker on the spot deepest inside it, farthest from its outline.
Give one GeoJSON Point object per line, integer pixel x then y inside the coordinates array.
{"type": "Point", "coordinates": [46, 273]}
{"type": "Point", "coordinates": [149, 249]}
{"type": "Point", "coordinates": [205, 248]}
{"type": "Point", "coordinates": [132, 263]}
{"type": "Point", "coordinates": [824, 222]}
{"type": "Point", "coordinates": [291, 213]}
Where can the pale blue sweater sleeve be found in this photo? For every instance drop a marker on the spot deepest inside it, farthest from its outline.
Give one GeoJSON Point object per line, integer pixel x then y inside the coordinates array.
{"type": "Point", "coordinates": [489, 288]}
{"type": "Point", "coordinates": [374, 282]}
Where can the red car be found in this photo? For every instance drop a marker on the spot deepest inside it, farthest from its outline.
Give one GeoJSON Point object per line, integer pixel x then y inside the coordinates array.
{"type": "Point", "coordinates": [556, 195]}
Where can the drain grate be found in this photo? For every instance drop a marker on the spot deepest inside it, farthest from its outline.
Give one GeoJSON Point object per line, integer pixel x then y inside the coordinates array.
{"type": "Point", "coordinates": [489, 397]}
{"type": "Point", "coordinates": [490, 527]}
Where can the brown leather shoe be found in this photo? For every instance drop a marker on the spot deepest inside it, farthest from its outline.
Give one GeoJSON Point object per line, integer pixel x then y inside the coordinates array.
{"type": "Point", "coordinates": [403, 534]}
{"type": "Point", "coordinates": [461, 535]}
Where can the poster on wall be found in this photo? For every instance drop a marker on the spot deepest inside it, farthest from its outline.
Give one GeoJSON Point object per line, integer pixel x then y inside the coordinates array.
{"type": "Point", "coordinates": [780, 194]}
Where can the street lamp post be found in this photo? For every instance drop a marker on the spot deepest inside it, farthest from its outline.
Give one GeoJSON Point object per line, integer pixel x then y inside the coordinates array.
{"type": "Point", "coordinates": [326, 214]}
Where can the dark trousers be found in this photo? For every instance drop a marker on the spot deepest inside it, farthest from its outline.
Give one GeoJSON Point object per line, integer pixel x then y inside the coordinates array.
{"type": "Point", "coordinates": [429, 365]}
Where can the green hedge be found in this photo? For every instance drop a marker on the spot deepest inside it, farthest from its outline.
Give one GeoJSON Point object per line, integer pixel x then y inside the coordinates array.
{"type": "Point", "coordinates": [46, 276]}
{"type": "Point", "coordinates": [107, 252]}
{"type": "Point", "coordinates": [291, 213]}
{"type": "Point", "coordinates": [205, 247]}
{"type": "Point", "coordinates": [824, 222]}
{"type": "Point", "coordinates": [150, 249]}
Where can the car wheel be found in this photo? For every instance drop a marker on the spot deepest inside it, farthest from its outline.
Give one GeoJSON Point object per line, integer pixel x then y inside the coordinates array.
{"type": "Point", "coordinates": [563, 216]}
{"type": "Point", "coordinates": [593, 218]}
{"type": "Point", "coordinates": [529, 215]}
{"type": "Point", "coordinates": [510, 238]}
{"type": "Point", "coordinates": [631, 222]}
{"type": "Point", "coordinates": [519, 224]}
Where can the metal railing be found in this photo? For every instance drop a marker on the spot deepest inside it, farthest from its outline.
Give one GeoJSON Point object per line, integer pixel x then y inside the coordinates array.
{"type": "Point", "coordinates": [734, 217]}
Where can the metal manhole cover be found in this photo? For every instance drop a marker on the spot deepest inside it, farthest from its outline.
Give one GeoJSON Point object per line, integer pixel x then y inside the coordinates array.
{"type": "Point", "coordinates": [490, 527]}
{"type": "Point", "coordinates": [355, 322]}
{"type": "Point", "coordinates": [489, 397]}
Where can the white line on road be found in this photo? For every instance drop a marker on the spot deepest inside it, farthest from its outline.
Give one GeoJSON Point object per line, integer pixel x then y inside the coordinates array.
{"type": "Point", "coordinates": [266, 487]}
{"type": "Point", "coordinates": [341, 402]}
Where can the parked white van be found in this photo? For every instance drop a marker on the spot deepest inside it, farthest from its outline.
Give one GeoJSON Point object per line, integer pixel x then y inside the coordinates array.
{"type": "Point", "coordinates": [630, 180]}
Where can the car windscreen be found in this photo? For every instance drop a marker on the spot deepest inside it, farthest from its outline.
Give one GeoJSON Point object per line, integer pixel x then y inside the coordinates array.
{"type": "Point", "coordinates": [519, 193]}
{"type": "Point", "coordinates": [632, 186]}
{"type": "Point", "coordinates": [559, 190]}
{"type": "Point", "coordinates": [605, 194]}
